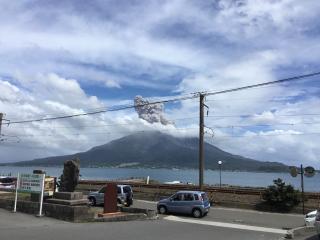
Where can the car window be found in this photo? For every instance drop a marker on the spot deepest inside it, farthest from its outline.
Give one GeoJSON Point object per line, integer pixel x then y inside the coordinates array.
{"type": "Point", "coordinates": [196, 197]}
{"type": "Point", "coordinates": [178, 197]}
{"type": "Point", "coordinates": [6, 180]}
{"type": "Point", "coordinates": [102, 190]}
{"type": "Point", "coordinates": [127, 189]}
{"type": "Point", "coordinates": [188, 197]}
{"type": "Point", "coordinates": [119, 190]}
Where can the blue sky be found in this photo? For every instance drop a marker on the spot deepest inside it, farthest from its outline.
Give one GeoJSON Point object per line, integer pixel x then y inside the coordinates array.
{"type": "Point", "coordinates": [70, 56]}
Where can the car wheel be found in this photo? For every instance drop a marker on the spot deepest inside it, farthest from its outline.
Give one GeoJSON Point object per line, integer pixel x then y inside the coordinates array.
{"type": "Point", "coordinates": [197, 213]}
{"type": "Point", "coordinates": [92, 201]}
{"type": "Point", "coordinates": [162, 210]}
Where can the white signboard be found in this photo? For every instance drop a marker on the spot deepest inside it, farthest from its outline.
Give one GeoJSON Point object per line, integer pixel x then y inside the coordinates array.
{"type": "Point", "coordinates": [30, 182]}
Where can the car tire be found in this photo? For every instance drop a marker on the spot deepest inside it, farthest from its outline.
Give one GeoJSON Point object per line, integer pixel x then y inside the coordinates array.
{"type": "Point", "coordinates": [196, 213]}
{"type": "Point", "coordinates": [162, 210]}
{"type": "Point", "coordinates": [92, 201]}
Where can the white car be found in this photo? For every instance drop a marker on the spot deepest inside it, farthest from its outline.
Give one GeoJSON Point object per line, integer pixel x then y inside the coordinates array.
{"type": "Point", "coordinates": [310, 218]}
{"type": "Point", "coordinates": [317, 223]}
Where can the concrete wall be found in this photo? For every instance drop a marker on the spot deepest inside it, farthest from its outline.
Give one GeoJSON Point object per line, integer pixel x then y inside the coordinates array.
{"type": "Point", "coordinates": [63, 212]}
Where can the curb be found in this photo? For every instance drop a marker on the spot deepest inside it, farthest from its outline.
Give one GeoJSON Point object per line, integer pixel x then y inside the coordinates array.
{"type": "Point", "coordinates": [127, 217]}
{"type": "Point", "coordinates": [298, 231]}
{"type": "Point", "coordinates": [130, 214]}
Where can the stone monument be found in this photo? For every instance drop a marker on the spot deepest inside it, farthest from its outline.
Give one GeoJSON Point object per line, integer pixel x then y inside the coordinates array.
{"type": "Point", "coordinates": [70, 177]}
{"type": "Point", "coordinates": [68, 204]}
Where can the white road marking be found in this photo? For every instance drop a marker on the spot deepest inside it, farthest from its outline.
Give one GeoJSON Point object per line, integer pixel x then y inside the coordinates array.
{"type": "Point", "coordinates": [227, 225]}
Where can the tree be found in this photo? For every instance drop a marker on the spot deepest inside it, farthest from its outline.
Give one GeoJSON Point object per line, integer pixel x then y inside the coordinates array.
{"type": "Point", "coordinates": [280, 196]}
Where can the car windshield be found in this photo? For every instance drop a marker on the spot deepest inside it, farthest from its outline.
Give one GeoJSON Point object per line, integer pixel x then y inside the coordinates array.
{"type": "Point", "coordinates": [102, 190]}
{"type": "Point", "coordinates": [204, 196]}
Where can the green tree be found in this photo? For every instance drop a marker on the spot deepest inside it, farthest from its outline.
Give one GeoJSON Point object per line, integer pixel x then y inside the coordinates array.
{"type": "Point", "coordinates": [280, 196]}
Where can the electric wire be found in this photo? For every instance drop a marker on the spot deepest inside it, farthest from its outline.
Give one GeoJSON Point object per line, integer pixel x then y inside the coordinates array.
{"type": "Point", "coordinates": [181, 98]}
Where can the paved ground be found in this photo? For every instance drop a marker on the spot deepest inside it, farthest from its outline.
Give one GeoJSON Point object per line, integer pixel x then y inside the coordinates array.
{"type": "Point", "coordinates": [221, 223]}
{"type": "Point", "coordinates": [308, 236]}
{"type": "Point", "coordinates": [28, 227]}
{"type": "Point", "coordinates": [242, 216]}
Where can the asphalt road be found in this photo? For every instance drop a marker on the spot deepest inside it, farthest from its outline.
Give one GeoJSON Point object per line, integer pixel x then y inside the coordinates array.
{"type": "Point", "coordinates": [242, 216]}
{"type": "Point", "coordinates": [17, 226]}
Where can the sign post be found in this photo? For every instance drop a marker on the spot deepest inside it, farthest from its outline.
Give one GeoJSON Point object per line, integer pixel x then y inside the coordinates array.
{"type": "Point", "coordinates": [30, 183]}
{"type": "Point", "coordinates": [41, 195]}
{"type": "Point", "coordinates": [16, 196]}
{"type": "Point", "coordinates": [308, 172]}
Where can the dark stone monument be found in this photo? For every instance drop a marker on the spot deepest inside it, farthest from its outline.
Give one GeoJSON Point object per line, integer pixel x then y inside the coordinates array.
{"type": "Point", "coordinates": [67, 204]}
{"type": "Point", "coordinates": [70, 177]}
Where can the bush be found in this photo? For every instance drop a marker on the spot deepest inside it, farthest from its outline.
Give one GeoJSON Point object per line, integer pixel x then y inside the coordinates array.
{"type": "Point", "coordinates": [280, 196]}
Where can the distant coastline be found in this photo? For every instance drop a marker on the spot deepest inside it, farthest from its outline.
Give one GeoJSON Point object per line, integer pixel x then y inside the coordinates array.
{"type": "Point", "coordinates": [16, 164]}
{"type": "Point", "coordinates": [211, 177]}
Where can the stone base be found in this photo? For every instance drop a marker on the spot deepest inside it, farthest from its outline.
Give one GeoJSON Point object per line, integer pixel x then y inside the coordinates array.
{"type": "Point", "coordinates": [68, 195]}
{"type": "Point", "coordinates": [110, 214]}
{"type": "Point", "coordinates": [76, 202]}
{"type": "Point", "coordinates": [62, 212]}
{"type": "Point", "coordinates": [68, 213]}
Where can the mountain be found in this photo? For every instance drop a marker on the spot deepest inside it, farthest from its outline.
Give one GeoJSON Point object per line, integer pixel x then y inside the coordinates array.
{"type": "Point", "coordinates": [158, 150]}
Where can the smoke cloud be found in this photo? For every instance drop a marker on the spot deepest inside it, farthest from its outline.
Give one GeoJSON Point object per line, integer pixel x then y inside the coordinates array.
{"type": "Point", "coordinates": [152, 113]}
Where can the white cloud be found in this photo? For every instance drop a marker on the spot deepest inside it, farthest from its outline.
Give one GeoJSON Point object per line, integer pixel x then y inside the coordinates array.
{"type": "Point", "coordinates": [50, 53]}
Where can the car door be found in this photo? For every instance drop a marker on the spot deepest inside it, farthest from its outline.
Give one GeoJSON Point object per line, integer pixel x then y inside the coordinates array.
{"type": "Point", "coordinates": [187, 205]}
{"type": "Point", "coordinates": [176, 203]}
{"type": "Point", "coordinates": [100, 196]}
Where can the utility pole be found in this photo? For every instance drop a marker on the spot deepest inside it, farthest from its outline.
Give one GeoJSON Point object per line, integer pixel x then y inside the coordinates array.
{"type": "Point", "coordinates": [201, 146]}
{"type": "Point", "coordinates": [302, 187]}
{"type": "Point", "coordinates": [1, 116]}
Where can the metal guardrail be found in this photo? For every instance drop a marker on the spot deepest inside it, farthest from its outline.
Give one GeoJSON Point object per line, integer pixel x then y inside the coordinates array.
{"type": "Point", "coordinates": [210, 189]}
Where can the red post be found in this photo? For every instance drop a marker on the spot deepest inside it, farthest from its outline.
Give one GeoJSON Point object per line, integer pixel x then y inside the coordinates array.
{"type": "Point", "coordinates": [110, 198]}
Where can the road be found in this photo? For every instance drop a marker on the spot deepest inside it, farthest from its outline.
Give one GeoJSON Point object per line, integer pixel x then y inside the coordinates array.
{"type": "Point", "coordinates": [243, 216]}
{"type": "Point", "coordinates": [17, 226]}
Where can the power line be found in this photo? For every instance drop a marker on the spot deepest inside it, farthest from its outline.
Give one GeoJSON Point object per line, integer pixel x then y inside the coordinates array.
{"type": "Point", "coordinates": [117, 108]}
{"type": "Point", "coordinates": [263, 84]}
{"type": "Point", "coordinates": [181, 98]}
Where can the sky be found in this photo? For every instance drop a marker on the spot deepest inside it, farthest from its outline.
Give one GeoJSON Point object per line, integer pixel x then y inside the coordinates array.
{"type": "Point", "coordinates": [68, 57]}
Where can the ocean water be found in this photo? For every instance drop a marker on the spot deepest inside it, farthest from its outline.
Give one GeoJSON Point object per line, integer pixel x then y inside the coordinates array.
{"type": "Point", "coordinates": [248, 179]}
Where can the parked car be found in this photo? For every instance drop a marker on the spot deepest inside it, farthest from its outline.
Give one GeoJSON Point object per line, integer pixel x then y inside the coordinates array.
{"type": "Point", "coordinates": [317, 222]}
{"type": "Point", "coordinates": [310, 218]}
{"type": "Point", "coordinates": [125, 196]}
{"type": "Point", "coordinates": [195, 203]}
{"type": "Point", "coordinates": [7, 182]}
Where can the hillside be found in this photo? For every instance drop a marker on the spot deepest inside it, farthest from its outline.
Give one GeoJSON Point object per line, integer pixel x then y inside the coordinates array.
{"type": "Point", "coordinates": [157, 150]}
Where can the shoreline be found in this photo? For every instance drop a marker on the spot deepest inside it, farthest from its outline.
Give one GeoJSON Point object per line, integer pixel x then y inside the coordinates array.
{"type": "Point", "coordinates": [145, 168]}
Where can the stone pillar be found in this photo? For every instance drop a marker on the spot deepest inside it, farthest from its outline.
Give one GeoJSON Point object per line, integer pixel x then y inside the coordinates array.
{"type": "Point", "coordinates": [110, 198]}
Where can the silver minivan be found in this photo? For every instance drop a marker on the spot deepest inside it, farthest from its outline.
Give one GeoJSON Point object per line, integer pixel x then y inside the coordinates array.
{"type": "Point", "coordinates": [125, 196]}
{"type": "Point", "coordinates": [195, 203]}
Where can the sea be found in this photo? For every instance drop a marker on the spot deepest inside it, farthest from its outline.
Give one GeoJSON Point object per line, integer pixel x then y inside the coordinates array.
{"type": "Point", "coordinates": [243, 179]}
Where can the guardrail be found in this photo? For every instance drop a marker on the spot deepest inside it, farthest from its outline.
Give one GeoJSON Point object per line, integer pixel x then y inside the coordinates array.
{"type": "Point", "coordinates": [233, 190]}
